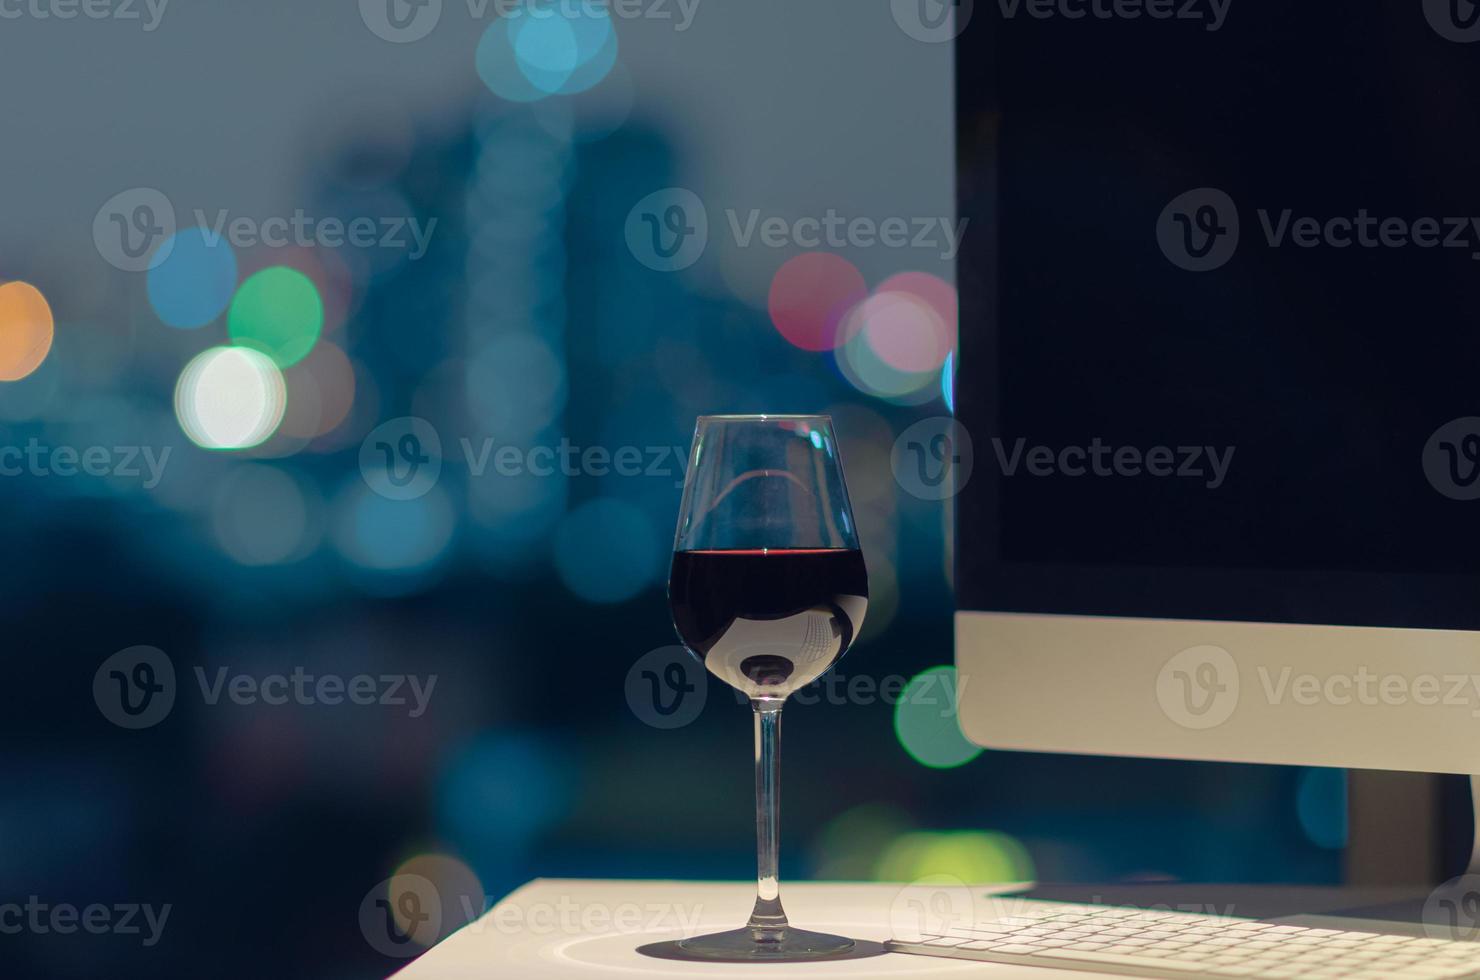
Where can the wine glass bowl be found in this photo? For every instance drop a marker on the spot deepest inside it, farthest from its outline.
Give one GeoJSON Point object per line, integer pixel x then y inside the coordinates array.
{"type": "Point", "coordinates": [768, 588]}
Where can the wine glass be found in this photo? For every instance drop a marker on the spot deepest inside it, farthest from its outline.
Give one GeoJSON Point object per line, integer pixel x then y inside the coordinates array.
{"type": "Point", "coordinates": [768, 590]}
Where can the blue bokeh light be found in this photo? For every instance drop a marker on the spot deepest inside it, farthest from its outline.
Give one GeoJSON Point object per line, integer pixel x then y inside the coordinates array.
{"type": "Point", "coordinates": [195, 283]}
{"type": "Point", "coordinates": [541, 50]}
{"type": "Point", "coordinates": [497, 791]}
{"type": "Point", "coordinates": [607, 550]}
{"type": "Point", "coordinates": [397, 536]}
{"type": "Point", "coordinates": [1320, 802]}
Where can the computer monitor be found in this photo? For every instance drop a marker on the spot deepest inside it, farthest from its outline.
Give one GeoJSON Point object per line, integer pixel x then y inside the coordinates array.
{"type": "Point", "coordinates": [1220, 373]}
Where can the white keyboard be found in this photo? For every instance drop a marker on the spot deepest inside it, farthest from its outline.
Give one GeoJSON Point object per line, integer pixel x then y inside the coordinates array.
{"type": "Point", "coordinates": [1110, 939]}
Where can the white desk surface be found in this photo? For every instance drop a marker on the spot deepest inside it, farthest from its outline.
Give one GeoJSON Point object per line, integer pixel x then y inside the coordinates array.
{"type": "Point", "coordinates": [566, 928]}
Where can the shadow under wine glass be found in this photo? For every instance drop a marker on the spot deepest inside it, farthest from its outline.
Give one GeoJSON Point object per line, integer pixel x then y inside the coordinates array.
{"type": "Point", "coordinates": [768, 589]}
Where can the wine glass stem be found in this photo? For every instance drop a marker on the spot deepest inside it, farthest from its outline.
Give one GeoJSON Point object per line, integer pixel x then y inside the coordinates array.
{"type": "Point", "coordinates": [768, 921]}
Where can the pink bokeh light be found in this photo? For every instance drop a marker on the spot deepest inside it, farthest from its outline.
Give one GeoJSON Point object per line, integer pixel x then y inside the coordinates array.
{"type": "Point", "coordinates": [811, 297]}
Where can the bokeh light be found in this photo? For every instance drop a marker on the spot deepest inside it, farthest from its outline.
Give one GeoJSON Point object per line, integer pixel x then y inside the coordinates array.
{"type": "Point", "coordinates": [948, 383]}
{"type": "Point", "coordinates": [1320, 802]}
{"type": "Point", "coordinates": [810, 299]}
{"type": "Point", "coordinates": [848, 848]}
{"type": "Point", "coordinates": [279, 312]}
{"type": "Point", "coordinates": [230, 398]}
{"type": "Point", "coordinates": [260, 515]}
{"type": "Point", "coordinates": [544, 49]}
{"type": "Point", "coordinates": [883, 596]}
{"type": "Point", "coordinates": [461, 897]}
{"type": "Point", "coordinates": [975, 857]}
{"type": "Point", "coordinates": [26, 330]}
{"type": "Point", "coordinates": [516, 386]}
{"type": "Point", "coordinates": [324, 267]}
{"type": "Point", "coordinates": [195, 282]}
{"type": "Point", "coordinates": [321, 392]}
{"type": "Point", "coordinates": [497, 791]}
{"type": "Point", "coordinates": [392, 536]}
{"type": "Point", "coordinates": [590, 116]}
{"type": "Point", "coordinates": [606, 550]}
{"type": "Point", "coordinates": [903, 331]}
{"type": "Point", "coordinates": [925, 721]}
{"type": "Point", "coordinates": [865, 370]}
{"type": "Point", "coordinates": [932, 290]}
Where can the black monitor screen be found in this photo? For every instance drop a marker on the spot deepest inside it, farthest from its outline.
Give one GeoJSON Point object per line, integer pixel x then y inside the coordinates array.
{"type": "Point", "coordinates": [1220, 310]}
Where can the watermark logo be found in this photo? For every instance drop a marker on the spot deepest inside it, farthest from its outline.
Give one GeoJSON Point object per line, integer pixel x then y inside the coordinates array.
{"type": "Point", "coordinates": [1199, 687]}
{"type": "Point", "coordinates": [568, 917]}
{"type": "Point", "coordinates": [131, 225]}
{"type": "Point", "coordinates": [1451, 459]}
{"type": "Point", "coordinates": [1209, 464]}
{"type": "Point", "coordinates": [837, 231]}
{"type": "Point", "coordinates": [932, 21]}
{"type": "Point", "coordinates": [567, 459]}
{"type": "Point", "coordinates": [401, 916]}
{"type": "Point", "coordinates": [667, 688]}
{"type": "Point", "coordinates": [668, 230]}
{"type": "Point", "coordinates": [1454, 20]}
{"type": "Point", "coordinates": [401, 21]}
{"type": "Point", "coordinates": [135, 688]}
{"type": "Point", "coordinates": [1452, 911]}
{"type": "Point", "coordinates": [936, 905]}
{"type": "Point", "coordinates": [1198, 231]}
{"type": "Point", "coordinates": [933, 458]}
{"type": "Point", "coordinates": [134, 230]}
{"type": "Point", "coordinates": [402, 459]}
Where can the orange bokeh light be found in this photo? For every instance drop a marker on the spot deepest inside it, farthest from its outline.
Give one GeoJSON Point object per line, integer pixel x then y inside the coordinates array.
{"type": "Point", "coordinates": [26, 330]}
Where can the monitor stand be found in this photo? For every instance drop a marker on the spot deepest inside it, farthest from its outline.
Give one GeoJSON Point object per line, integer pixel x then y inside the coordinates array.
{"type": "Point", "coordinates": [1448, 911]}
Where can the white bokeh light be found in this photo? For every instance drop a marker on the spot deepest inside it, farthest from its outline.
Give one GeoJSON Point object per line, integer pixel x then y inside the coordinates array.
{"type": "Point", "coordinates": [230, 398]}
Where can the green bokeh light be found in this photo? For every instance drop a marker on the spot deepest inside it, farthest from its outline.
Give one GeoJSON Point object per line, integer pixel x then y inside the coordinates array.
{"type": "Point", "coordinates": [925, 721]}
{"type": "Point", "coordinates": [279, 312]}
{"type": "Point", "coordinates": [976, 857]}
{"type": "Point", "coordinates": [848, 848]}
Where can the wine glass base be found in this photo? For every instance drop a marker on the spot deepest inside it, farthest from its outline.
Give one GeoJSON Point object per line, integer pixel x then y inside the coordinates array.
{"type": "Point", "coordinates": [740, 946]}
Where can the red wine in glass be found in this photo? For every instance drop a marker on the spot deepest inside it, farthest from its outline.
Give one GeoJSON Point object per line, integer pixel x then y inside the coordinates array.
{"type": "Point", "coordinates": [768, 588]}
{"type": "Point", "coordinates": [768, 621]}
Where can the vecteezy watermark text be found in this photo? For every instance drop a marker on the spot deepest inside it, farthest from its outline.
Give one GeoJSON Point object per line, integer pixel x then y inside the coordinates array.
{"type": "Point", "coordinates": [64, 919]}
{"type": "Point", "coordinates": [1209, 13]}
{"type": "Point", "coordinates": [404, 21]}
{"type": "Point", "coordinates": [134, 230]}
{"type": "Point", "coordinates": [38, 460]}
{"type": "Point", "coordinates": [568, 459]}
{"type": "Point", "coordinates": [302, 230]}
{"type": "Point", "coordinates": [1201, 687]}
{"type": "Point", "coordinates": [402, 459]}
{"type": "Point", "coordinates": [668, 230]}
{"type": "Point", "coordinates": [148, 12]}
{"type": "Point", "coordinates": [1199, 230]}
{"type": "Point", "coordinates": [405, 913]}
{"type": "Point", "coordinates": [668, 688]}
{"type": "Point", "coordinates": [135, 688]}
{"type": "Point", "coordinates": [1101, 459]}
{"type": "Point", "coordinates": [933, 459]}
